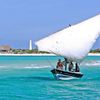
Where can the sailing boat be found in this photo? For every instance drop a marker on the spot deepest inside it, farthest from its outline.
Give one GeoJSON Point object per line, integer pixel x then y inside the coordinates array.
{"type": "Point", "coordinates": [73, 43]}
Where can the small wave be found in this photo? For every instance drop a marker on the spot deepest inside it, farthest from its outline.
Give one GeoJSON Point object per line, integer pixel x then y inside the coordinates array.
{"type": "Point", "coordinates": [32, 66]}
{"type": "Point", "coordinates": [37, 67]}
{"type": "Point", "coordinates": [91, 63]}
{"type": "Point", "coordinates": [22, 66]}
{"type": "Point", "coordinates": [2, 66]}
{"type": "Point", "coordinates": [95, 78]}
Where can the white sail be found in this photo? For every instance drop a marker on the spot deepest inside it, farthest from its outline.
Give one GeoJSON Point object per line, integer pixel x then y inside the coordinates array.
{"type": "Point", "coordinates": [74, 42]}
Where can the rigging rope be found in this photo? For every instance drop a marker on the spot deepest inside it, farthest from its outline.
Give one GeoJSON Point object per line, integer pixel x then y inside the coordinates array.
{"type": "Point", "coordinates": [49, 62]}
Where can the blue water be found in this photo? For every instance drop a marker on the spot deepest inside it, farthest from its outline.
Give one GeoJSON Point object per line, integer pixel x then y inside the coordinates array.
{"type": "Point", "coordinates": [29, 78]}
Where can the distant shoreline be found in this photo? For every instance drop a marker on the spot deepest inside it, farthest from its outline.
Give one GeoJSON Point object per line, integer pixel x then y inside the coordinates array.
{"type": "Point", "coordinates": [27, 55]}
{"type": "Point", "coordinates": [90, 54]}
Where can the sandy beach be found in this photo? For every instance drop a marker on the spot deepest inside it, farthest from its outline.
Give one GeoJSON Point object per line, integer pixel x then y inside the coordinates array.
{"type": "Point", "coordinates": [94, 54]}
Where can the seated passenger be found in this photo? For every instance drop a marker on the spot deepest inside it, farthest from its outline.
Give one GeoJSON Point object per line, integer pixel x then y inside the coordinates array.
{"type": "Point", "coordinates": [59, 64]}
{"type": "Point", "coordinates": [70, 68]}
{"type": "Point", "coordinates": [77, 68]}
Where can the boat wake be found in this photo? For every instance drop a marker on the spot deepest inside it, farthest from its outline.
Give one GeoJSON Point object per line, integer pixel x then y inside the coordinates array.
{"type": "Point", "coordinates": [68, 78]}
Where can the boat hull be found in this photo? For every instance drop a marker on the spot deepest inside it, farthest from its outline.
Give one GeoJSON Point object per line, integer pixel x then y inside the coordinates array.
{"type": "Point", "coordinates": [65, 74]}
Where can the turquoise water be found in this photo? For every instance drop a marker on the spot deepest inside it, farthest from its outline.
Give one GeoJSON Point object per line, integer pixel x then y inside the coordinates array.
{"type": "Point", "coordinates": [29, 78]}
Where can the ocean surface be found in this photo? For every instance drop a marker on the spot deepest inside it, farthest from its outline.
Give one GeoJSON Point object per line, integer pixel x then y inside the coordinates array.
{"type": "Point", "coordinates": [29, 78]}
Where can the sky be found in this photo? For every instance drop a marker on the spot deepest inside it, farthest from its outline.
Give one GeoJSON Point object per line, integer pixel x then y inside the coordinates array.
{"type": "Point", "coordinates": [22, 20]}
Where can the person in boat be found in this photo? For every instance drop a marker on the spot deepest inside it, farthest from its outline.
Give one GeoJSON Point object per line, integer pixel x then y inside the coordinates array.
{"type": "Point", "coordinates": [77, 68]}
{"type": "Point", "coordinates": [59, 65]}
{"type": "Point", "coordinates": [65, 62]}
{"type": "Point", "coordinates": [70, 68]}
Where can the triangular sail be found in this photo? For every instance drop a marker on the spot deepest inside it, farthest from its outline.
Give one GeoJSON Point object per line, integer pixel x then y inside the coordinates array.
{"type": "Point", "coordinates": [74, 42]}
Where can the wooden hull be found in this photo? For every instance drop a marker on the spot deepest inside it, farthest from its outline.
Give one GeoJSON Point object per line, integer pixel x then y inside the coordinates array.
{"type": "Point", "coordinates": [59, 73]}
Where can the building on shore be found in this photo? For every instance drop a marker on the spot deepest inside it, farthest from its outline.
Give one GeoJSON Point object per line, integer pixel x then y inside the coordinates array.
{"type": "Point", "coordinates": [5, 49]}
